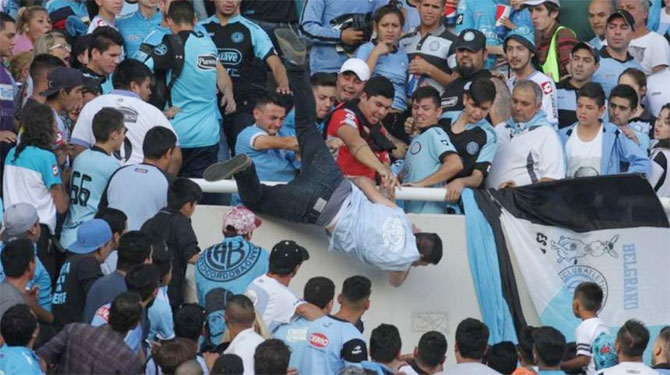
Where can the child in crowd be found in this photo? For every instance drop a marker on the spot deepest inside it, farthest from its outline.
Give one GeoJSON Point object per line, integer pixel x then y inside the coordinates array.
{"type": "Point", "coordinates": [160, 313]}
{"type": "Point", "coordinates": [106, 12]}
{"type": "Point", "coordinates": [525, 350]}
{"type": "Point", "coordinates": [548, 349]}
{"type": "Point", "coordinates": [19, 331]}
{"type": "Point", "coordinates": [502, 357]}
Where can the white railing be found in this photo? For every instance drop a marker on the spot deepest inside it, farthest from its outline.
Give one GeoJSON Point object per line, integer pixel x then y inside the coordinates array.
{"type": "Point", "coordinates": [404, 193]}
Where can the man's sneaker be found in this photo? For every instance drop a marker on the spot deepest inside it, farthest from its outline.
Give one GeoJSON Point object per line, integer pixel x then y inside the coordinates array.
{"type": "Point", "coordinates": [291, 47]}
{"type": "Point", "coordinates": [226, 169]}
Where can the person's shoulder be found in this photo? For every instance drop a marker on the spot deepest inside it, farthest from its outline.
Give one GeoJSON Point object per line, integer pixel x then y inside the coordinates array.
{"type": "Point", "coordinates": [126, 19]}
{"type": "Point", "coordinates": [249, 24]}
{"type": "Point", "coordinates": [566, 32]}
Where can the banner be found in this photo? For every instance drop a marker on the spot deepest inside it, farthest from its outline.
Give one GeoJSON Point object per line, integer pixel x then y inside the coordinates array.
{"type": "Point", "coordinates": [610, 230]}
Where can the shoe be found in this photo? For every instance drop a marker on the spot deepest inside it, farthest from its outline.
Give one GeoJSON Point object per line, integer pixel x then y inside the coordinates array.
{"type": "Point", "coordinates": [291, 47]}
{"type": "Point", "coordinates": [226, 169]}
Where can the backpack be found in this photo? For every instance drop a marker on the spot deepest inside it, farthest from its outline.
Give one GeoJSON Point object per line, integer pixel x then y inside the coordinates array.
{"type": "Point", "coordinates": [160, 91]}
{"type": "Point", "coordinates": [604, 353]}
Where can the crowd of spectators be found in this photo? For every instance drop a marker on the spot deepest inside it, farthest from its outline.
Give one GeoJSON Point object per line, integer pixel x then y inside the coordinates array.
{"type": "Point", "coordinates": [109, 109]}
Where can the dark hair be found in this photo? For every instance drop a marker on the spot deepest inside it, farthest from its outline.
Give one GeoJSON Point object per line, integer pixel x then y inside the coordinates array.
{"type": "Point", "coordinates": [590, 295]}
{"type": "Point", "coordinates": [134, 249]}
{"type": "Point", "coordinates": [240, 310]}
{"type": "Point", "coordinates": [17, 325]}
{"type": "Point", "coordinates": [632, 338]}
{"type": "Point", "coordinates": [664, 337]}
{"type": "Point", "coordinates": [270, 98]}
{"type": "Point", "coordinates": [625, 92]}
{"type": "Point", "coordinates": [144, 280]}
{"type": "Point", "coordinates": [105, 122]}
{"type": "Point", "coordinates": [181, 12]}
{"type": "Point", "coordinates": [17, 256]}
{"type": "Point", "coordinates": [481, 90]}
{"type": "Point", "coordinates": [175, 352]}
{"type": "Point", "coordinates": [432, 348]}
{"type": "Point", "coordinates": [80, 46]}
{"type": "Point", "coordinates": [103, 38]}
{"type": "Point", "coordinates": [43, 64]}
{"type": "Point", "coordinates": [386, 10]}
{"type": "Point", "coordinates": [271, 357]}
{"type": "Point", "coordinates": [472, 337]}
{"type": "Point", "coordinates": [427, 92]}
{"type": "Point", "coordinates": [183, 191]}
{"type": "Point", "coordinates": [158, 141]}
{"type": "Point", "coordinates": [125, 312]}
{"type": "Point", "coordinates": [322, 79]}
{"type": "Point", "coordinates": [161, 257]}
{"type": "Point", "coordinates": [430, 247]}
{"type": "Point", "coordinates": [5, 18]}
{"type": "Point", "coordinates": [550, 345]}
{"type": "Point", "coordinates": [502, 357]}
{"type": "Point", "coordinates": [385, 343]}
{"type": "Point", "coordinates": [38, 129]}
{"type": "Point", "coordinates": [551, 7]}
{"type": "Point", "coordinates": [355, 289]}
{"type": "Point", "coordinates": [228, 364]}
{"type": "Point", "coordinates": [379, 86]}
{"type": "Point", "coordinates": [188, 321]}
{"type": "Point", "coordinates": [319, 291]}
{"type": "Point", "coordinates": [114, 217]}
{"type": "Point", "coordinates": [592, 90]}
{"type": "Point", "coordinates": [128, 71]}
{"type": "Point", "coordinates": [637, 75]}
{"type": "Point", "coordinates": [526, 343]}
{"type": "Point", "coordinates": [663, 143]}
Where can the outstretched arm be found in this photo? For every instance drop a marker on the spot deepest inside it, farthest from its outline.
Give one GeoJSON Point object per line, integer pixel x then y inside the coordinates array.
{"type": "Point", "coordinates": [368, 188]}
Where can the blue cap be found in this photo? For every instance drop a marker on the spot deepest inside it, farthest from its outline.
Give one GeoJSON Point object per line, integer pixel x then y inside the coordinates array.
{"type": "Point", "coordinates": [91, 235]}
{"type": "Point", "coordinates": [523, 35]}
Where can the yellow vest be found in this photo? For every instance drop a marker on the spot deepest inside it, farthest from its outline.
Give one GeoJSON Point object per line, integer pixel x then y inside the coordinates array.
{"type": "Point", "coordinates": [550, 66]}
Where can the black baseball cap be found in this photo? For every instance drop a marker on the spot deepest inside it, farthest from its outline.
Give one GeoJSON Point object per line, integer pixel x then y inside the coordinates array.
{"type": "Point", "coordinates": [589, 47]}
{"type": "Point", "coordinates": [286, 255]}
{"type": "Point", "coordinates": [470, 39]}
{"type": "Point", "coordinates": [621, 13]}
{"type": "Point", "coordinates": [62, 78]}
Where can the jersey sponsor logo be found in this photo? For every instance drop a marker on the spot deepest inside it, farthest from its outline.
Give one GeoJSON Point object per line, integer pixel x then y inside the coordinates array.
{"type": "Point", "coordinates": [415, 148]}
{"type": "Point", "coordinates": [472, 148]}
{"type": "Point", "coordinates": [319, 340]}
{"type": "Point", "coordinates": [129, 114]}
{"type": "Point", "coordinates": [237, 37]}
{"type": "Point", "coordinates": [449, 102]}
{"type": "Point", "coordinates": [226, 263]}
{"type": "Point", "coordinates": [230, 56]}
{"type": "Point", "coordinates": [546, 88]}
{"type": "Point", "coordinates": [206, 62]}
{"type": "Point", "coordinates": [393, 234]}
{"type": "Point", "coordinates": [160, 49]}
{"type": "Point", "coordinates": [141, 170]}
{"type": "Point", "coordinates": [134, 38]}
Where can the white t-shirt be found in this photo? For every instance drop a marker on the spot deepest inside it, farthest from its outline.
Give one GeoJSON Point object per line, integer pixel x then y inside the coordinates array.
{"type": "Point", "coordinates": [650, 50]}
{"type": "Point", "coordinates": [97, 22]}
{"type": "Point", "coordinates": [244, 345]}
{"type": "Point", "coordinates": [275, 302]}
{"type": "Point", "coordinates": [658, 91]}
{"type": "Point", "coordinates": [138, 116]}
{"type": "Point", "coordinates": [527, 157]}
{"type": "Point", "coordinates": [630, 368]}
{"type": "Point", "coordinates": [549, 95]}
{"type": "Point", "coordinates": [584, 158]}
{"type": "Point", "coordinates": [587, 331]}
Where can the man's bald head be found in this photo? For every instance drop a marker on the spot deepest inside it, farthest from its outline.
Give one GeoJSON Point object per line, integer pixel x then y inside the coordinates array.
{"type": "Point", "coordinates": [240, 311]}
{"type": "Point", "coordinates": [599, 10]}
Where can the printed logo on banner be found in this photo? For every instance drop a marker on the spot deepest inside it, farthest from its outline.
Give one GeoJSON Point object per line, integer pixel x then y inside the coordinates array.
{"type": "Point", "coordinates": [569, 250]}
{"type": "Point", "coordinates": [574, 275]}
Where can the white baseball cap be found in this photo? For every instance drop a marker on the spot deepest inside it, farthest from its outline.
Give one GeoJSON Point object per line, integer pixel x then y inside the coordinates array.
{"type": "Point", "coordinates": [358, 67]}
{"type": "Point", "coordinates": [538, 2]}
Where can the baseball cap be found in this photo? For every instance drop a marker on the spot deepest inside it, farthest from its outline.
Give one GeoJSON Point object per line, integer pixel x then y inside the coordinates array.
{"type": "Point", "coordinates": [530, 3]}
{"type": "Point", "coordinates": [17, 220]}
{"type": "Point", "coordinates": [242, 219]}
{"type": "Point", "coordinates": [358, 67]}
{"type": "Point", "coordinates": [627, 17]}
{"type": "Point", "coordinates": [589, 47]}
{"type": "Point", "coordinates": [287, 254]}
{"type": "Point", "coordinates": [90, 236]}
{"type": "Point", "coordinates": [62, 78]}
{"type": "Point", "coordinates": [470, 39]}
{"type": "Point", "coordinates": [523, 35]}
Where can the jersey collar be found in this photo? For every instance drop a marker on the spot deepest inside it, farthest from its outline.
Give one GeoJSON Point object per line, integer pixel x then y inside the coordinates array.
{"type": "Point", "coordinates": [126, 93]}
{"type": "Point", "coordinates": [605, 55]}
{"type": "Point", "coordinates": [426, 128]}
{"type": "Point", "coordinates": [98, 149]}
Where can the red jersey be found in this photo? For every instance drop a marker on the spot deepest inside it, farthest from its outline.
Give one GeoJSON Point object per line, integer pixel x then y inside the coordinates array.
{"type": "Point", "coordinates": [347, 114]}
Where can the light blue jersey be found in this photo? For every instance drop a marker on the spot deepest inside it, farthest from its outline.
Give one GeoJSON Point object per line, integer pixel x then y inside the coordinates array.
{"type": "Point", "coordinates": [641, 128]}
{"type": "Point", "coordinates": [78, 8]}
{"type": "Point", "coordinates": [294, 335]}
{"type": "Point", "coordinates": [271, 164]}
{"type": "Point", "coordinates": [133, 338]}
{"type": "Point", "coordinates": [424, 157]}
{"type": "Point", "coordinates": [134, 28]}
{"type": "Point", "coordinates": [41, 279]}
{"type": "Point", "coordinates": [90, 173]}
{"type": "Point", "coordinates": [332, 344]}
{"type": "Point", "coordinates": [197, 124]}
{"type": "Point", "coordinates": [479, 15]}
{"type": "Point", "coordinates": [288, 127]}
{"type": "Point", "coordinates": [610, 69]}
{"type": "Point", "coordinates": [232, 264]}
{"type": "Point", "coordinates": [153, 39]}
{"type": "Point", "coordinates": [375, 234]}
{"type": "Point", "coordinates": [392, 66]}
{"type": "Point", "coordinates": [19, 360]}
{"type": "Point", "coordinates": [139, 190]}
{"type": "Point", "coordinates": [161, 323]}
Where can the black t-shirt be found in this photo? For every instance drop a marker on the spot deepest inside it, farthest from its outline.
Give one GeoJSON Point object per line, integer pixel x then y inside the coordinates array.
{"type": "Point", "coordinates": [452, 99]}
{"type": "Point", "coordinates": [276, 11]}
{"type": "Point", "coordinates": [468, 145]}
{"type": "Point", "coordinates": [76, 277]}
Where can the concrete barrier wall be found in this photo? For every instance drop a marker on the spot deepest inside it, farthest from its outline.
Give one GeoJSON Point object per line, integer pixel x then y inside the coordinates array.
{"type": "Point", "coordinates": [432, 298]}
